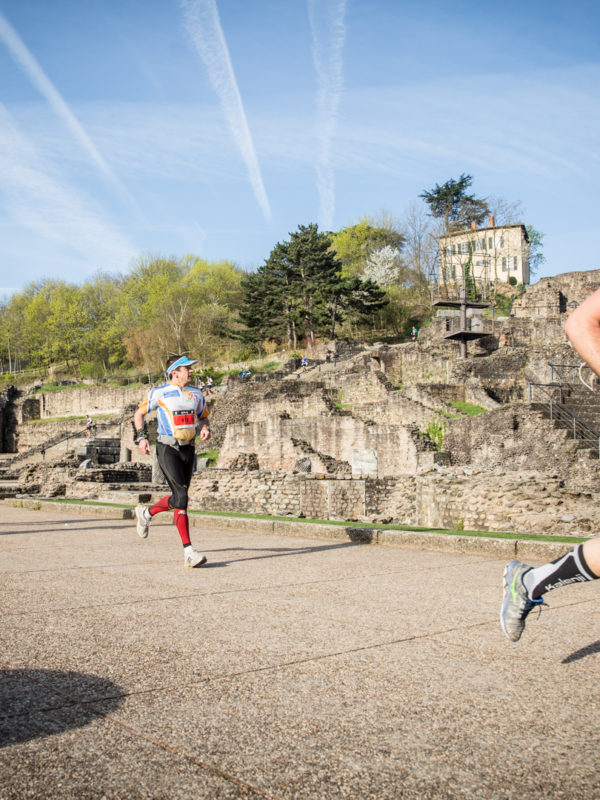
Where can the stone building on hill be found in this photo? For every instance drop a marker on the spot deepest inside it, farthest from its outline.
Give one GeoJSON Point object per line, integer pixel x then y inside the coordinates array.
{"type": "Point", "coordinates": [493, 253]}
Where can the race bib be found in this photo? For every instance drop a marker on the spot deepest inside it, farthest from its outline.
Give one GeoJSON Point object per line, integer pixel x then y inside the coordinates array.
{"type": "Point", "coordinates": [184, 425]}
{"type": "Point", "coordinates": [180, 420]}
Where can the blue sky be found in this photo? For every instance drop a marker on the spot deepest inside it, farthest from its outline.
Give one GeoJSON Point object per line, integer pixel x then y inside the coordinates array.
{"type": "Point", "coordinates": [216, 127]}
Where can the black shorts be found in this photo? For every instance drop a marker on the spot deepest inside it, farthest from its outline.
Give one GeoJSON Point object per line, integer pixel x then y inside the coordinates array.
{"type": "Point", "coordinates": [177, 465]}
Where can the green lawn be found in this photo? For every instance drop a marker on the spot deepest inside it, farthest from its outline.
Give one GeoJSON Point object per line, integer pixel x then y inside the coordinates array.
{"type": "Point", "coordinates": [470, 409]}
{"type": "Point", "coordinates": [533, 537]}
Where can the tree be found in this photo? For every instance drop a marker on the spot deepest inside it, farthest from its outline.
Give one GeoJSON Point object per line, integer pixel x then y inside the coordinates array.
{"type": "Point", "coordinates": [536, 256]}
{"type": "Point", "coordinates": [270, 306]}
{"type": "Point", "coordinates": [301, 286]}
{"type": "Point", "coordinates": [383, 266]}
{"type": "Point", "coordinates": [451, 203]}
{"type": "Point", "coordinates": [360, 300]}
{"type": "Point", "coordinates": [421, 250]}
{"type": "Point", "coordinates": [354, 244]}
{"type": "Point", "coordinates": [317, 272]}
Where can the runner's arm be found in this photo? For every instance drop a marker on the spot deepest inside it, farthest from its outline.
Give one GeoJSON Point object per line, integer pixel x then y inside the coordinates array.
{"type": "Point", "coordinates": [583, 329]}
{"type": "Point", "coordinates": [138, 421]}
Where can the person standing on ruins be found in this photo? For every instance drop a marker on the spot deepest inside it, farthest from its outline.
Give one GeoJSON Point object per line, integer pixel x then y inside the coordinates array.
{"type": "Point", "coordinates": [182, 414]}
{"type": "Point", "coordinates": [524, 586]}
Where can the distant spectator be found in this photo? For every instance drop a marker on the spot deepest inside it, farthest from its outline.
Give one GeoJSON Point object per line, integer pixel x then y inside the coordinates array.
{"type": "Point", "coordinates": [208, 385]}
{"type": "Point", "coordinates": [328, 355]}
{"type": "Point", "coordinates": [89, 424]}
{"type": "Point", "coordinates": [304, 363]}
{"type": "Point", "coordinates": [414, 333]}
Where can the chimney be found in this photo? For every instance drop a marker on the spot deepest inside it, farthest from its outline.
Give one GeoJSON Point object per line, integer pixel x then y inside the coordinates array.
{"type": "Point", "coordinates": [491, 221]}
{"type": "Point", "coordinates": [473, 224]}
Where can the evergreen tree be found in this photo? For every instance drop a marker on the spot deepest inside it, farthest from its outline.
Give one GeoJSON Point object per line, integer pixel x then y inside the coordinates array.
{"type": "Point", "coordinates": [301, 286]}
{"type": "Point", "coordinates": [451, 203]}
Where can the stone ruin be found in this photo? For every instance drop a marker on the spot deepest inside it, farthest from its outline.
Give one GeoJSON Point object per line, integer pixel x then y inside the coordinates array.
{"type": "Point", "coordinates": [373, 436]}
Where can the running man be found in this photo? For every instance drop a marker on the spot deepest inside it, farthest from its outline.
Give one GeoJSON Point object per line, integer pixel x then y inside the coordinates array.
{"type": "Point", "coordinates": [182, 413]}
{"type": "Point", "coordinates": [524, 586]}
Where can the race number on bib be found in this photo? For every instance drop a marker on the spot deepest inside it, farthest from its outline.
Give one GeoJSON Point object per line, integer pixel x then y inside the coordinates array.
{"type": "Point", "coordinates": [182, 420]}
{"type": "Point", "coordinates": [184, 425]}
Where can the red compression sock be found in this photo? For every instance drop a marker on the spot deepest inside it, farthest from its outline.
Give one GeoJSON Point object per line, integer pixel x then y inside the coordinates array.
{"type": "Point", "coordinates": [162, 505]}
{"type": "Point", "coordinates": [180, 518]}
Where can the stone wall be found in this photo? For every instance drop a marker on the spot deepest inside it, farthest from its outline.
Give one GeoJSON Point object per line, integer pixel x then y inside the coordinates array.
{"type": "Point", "coordinates": [34, 434]}
{"type": "Point", "coordinates": [398, 409]}
{"type": "Point", "coordinates": [398, 447]}
{"type": "Point", "coordinates": [528, 501]}
{"type": "Point", "coordinates": [517, 438]}
{"type": "Point", "coordinates": [552, 297]}
{"type": "Point", "coordinates": [8, 420]}
{"type": "Point", "coordinates": [294, 398]}
{"type": "Point", "coordinates": [83, 400]}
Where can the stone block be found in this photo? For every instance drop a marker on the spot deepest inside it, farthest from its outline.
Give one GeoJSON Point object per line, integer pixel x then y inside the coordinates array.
{"type": "Point", "coordinates": [364, 462]}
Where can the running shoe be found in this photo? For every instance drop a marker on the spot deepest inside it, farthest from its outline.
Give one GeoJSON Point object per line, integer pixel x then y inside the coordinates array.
{"type": "Point", "coordinates": [143, 523]}
{"type": "Point", "coordinates": [516, 604]}
{"type": "Point", "coordinates": [192, 558]}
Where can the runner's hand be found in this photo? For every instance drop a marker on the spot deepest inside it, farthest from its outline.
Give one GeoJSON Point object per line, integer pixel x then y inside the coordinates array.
{"type": "Point", "coordinates": [144, 446]}
{"type": "Point", "coordinates": [205, 433]}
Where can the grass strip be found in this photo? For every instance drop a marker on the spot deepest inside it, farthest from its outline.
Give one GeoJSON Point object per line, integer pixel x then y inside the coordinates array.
{"type": "Point", "coordinates": [530, 537]}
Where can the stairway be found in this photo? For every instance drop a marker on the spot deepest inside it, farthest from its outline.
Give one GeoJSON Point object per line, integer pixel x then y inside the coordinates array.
{"type": "Point", "coordinates": [575, 409]}
{"type": "Point", "coordinates": [583, 402]}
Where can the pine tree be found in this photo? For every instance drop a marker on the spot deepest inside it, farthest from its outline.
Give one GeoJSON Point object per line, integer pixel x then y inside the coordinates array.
{"type": "Point", "coordinates": [451, 203]}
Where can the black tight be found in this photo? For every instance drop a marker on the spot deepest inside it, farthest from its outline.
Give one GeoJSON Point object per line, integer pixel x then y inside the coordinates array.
{"type": "Point", "coordinates": [177, 465]}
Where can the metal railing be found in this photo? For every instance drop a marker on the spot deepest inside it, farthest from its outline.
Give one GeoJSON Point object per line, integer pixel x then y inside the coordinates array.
{"type": "Point", "coordinates": [567, 418]}
{"type": "Point", "coordinates": [572, 373]}
{"type": "Point", "coordinates": [55, 441]}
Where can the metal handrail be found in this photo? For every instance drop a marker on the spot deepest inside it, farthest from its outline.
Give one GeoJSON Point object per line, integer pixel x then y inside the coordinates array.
{"type": "Point", "coordinates": [574, 369]}
{"type": "Point", "coordinates": [563, 414]}
{"type": "Point", "coordinates": [53, 442]}
{"type": "Point", "coordinates": [555, 369]}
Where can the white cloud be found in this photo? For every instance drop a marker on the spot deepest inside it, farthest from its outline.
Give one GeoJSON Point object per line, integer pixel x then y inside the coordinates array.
{"type": "Point", "coordinates": [328, 32]}
{"type": "Point", "coordinates": [204, 28]}
{"type": "Point", "coordinates": [40, 80]}
{"type": "Point", "coordinates": [54, 212]}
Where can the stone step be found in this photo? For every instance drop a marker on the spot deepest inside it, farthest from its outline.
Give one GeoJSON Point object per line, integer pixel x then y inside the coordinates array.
{"type": "Point", "coordinates": [123, 496]}
{"type": "Point", "coordinates": [9, 488]}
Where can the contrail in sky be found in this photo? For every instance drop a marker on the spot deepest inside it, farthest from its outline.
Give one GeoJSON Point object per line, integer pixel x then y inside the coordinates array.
{"type": "Point", "coordinates": [33, 199]}
{"type": "Point", "coordinates": [328, 32]}
{"type": "Point", "coordinates": [36, 74]}
{"type": "Point", "coordinates": [204, 27]}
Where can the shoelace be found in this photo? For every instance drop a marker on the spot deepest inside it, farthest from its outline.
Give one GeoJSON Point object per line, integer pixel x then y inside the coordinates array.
{"type": "Point", "coordinates": [531, 604]}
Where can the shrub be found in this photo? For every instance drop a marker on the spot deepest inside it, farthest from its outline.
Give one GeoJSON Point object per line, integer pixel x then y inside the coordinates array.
{"type": "Point", "coordinates": [435, 432]}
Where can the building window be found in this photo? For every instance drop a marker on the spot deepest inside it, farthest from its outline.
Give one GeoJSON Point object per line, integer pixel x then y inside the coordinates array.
{"type": "Point", "coordinates": [464, 248]}
{"type": "Point", "coordinates": [490, 243]}
{"type": "Point", "coordinates": [510, 263]}
{"type": "Point", "coordinates": [479, 245]}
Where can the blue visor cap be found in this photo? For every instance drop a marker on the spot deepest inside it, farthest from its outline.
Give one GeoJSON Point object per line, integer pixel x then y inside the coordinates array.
{"type": "Point", "coordinates": [184, 361]}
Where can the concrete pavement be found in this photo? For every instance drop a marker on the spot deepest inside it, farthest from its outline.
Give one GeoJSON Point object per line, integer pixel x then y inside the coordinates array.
{"type": "Point", "coordinates": [288, 667]}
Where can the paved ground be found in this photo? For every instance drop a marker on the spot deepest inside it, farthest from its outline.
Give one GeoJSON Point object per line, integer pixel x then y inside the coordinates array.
{"type": "Point", "coordinates": [286, 668]}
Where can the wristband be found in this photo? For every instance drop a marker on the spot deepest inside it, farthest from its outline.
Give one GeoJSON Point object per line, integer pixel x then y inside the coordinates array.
{"type": "Point", "coordinates": [140, 434]}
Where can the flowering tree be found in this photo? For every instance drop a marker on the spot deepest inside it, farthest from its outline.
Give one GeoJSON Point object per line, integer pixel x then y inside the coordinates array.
{"type": "Point", "coordinates": [383, 266]}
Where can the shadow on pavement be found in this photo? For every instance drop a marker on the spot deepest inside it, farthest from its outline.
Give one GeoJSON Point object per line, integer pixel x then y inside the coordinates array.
{"type": "Point", "coordinates": [275, 552]}
{"type": "Point", "coordinates": [589, 650]}
{"type": "Point", "coordinates": [35, 703]}
{"type": "Point", "coordinates": [59, 525]}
